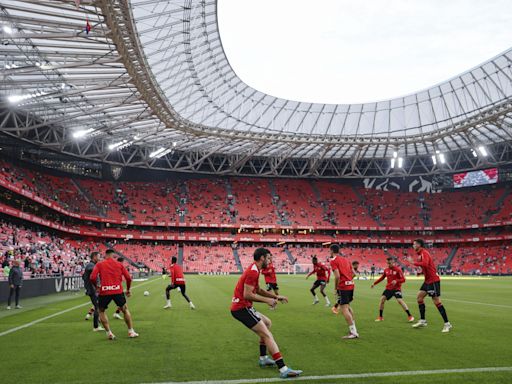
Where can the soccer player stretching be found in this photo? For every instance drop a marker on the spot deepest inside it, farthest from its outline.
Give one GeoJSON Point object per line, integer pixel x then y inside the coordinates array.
{"type": "Point", "coordinates": [431, 286]}
{"type": "Point", "coordinates": [247, 291]}
{"type": "Point", "coordinates": [344, 274]}
{"type": "Point", "coordinates": [177, 281]}
{"type": "Point", "coordinates": [270, 276]}
{"type": "Point", "coordinates": [111, 272]}
{"type": "Point", "coordinates": [322, 278]}
{"type": "Point", "coordinates": [395, 279]}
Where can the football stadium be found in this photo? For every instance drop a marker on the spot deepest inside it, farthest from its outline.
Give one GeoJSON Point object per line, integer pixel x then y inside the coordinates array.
{"type": "Point", "coordinates": [255, 191]}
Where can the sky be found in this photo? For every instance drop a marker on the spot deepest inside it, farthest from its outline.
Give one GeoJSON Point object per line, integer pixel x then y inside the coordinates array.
{"type": "Point", "coordinates": [340, 51]}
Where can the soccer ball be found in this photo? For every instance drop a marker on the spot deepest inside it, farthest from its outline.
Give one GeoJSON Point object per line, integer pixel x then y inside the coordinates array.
{"type": "Point", "coordinates": [146, 293]}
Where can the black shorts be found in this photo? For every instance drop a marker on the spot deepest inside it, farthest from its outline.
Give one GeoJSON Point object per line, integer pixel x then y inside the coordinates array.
{"type": "Point", "coordinates": [389, 293]}
{"type": "Point", "coordinates": [345, 297]}
{"type": "Point", "coordinates": [247, 316]}
{"type": "Point", "coordinates": [319, 283]}
{"type": "Point", "coordinates": [272, 286]}
{"type": "Point", "coordinates": [433, 290]}
{"type": "Point", "coordinates": [182, 287]}
{"type": "Point", "coordinates": [104, 301]}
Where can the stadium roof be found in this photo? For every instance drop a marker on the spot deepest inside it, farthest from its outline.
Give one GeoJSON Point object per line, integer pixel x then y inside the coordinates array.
{"type": "Point", "coordinates": [150, 86]}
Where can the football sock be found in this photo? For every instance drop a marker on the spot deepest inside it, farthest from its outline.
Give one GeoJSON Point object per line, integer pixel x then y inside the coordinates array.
{"type": "Point", "coordinates": [263, 349]}
{"type": "Point", "coordinates": [353, 329]}
{"type": "Point", "coordinates": [408, 312]}
{"type": "Point", "coordinates": [381, 312]}
{"type": "Point", "coordinates": [442, 311]}
{"type": "Point", "coordinates": [421, 305]}
{"type": "Point", "coordinates": [279, 361]}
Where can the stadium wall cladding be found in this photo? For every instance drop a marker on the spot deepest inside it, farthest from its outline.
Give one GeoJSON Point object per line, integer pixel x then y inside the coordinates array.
{"type": "Point", "coordinates": [45, 286]}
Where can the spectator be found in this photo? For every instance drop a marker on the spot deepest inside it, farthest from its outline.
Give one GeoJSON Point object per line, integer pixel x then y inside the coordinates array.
{"type": "Point", "coordinates": [15, 280]}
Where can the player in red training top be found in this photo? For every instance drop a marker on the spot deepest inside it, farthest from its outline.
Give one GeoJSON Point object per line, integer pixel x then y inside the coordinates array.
{"type": "Point", "coordinates": [270, 276]}
{"type": "Point", "coordinates": [431, 286]}
{"type": "Point", "coordinates": [247, 291]}
{"type": "Point", "coordinates": [323, 275]}
{"type": "Point", "coordinates": [177, 281]}
{"type": "Point", "coordinates": [395, 278]}
{"type": "Point", "coordinates": [344, 274]}
{"type": "Point", "coordinates": [111, 272]}
{"type": "Point", "coordinates": [335, 309]}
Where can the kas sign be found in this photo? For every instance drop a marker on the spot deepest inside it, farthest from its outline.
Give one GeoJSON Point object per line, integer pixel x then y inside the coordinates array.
{"type": "Point", "coordinates": [72, 283]}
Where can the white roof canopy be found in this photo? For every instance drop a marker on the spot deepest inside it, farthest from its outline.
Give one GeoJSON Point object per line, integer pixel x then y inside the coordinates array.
{"type": "Point", "coordinates": [153, 73]}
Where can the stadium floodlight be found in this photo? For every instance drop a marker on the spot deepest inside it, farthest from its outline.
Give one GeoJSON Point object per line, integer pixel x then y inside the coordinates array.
{"type": "Point", "coordinates": [161, 152]}
{"type": "Point", "coordinates": [442, 159]}
{"type": "Point", "coordinates": [17, 98]}
{"type": "Point", "coordinates": [174, 144]}
{"type": "Point", "coordinates": [7, 29]}
{"type": "Point", "coordinates": [155, 154]}
{"type": "Point", "coordinates": [473, 152]}
{"type": "Point", "coordinates": [395, 154]}
{"type": "Point", "coordinates": [400, 162]}
{"type": "Point", "coordinates": [434, 159]}
{"type": "Point", "coordinates": [483, 151]}
{"type": "Point", "coordinates": [393, 162]}
{"type": "Point", "coordinates": [118, 145]}
{"type": "Point", "coordinates": [82, 133]}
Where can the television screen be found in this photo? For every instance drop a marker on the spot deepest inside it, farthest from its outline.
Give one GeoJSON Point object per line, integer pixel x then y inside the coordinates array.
{"type": "Point", "coordinates": [471, 179]}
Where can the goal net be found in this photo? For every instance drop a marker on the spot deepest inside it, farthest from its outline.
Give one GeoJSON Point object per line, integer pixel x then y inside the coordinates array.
{"type": "Point", "coordinates": [300, 268]}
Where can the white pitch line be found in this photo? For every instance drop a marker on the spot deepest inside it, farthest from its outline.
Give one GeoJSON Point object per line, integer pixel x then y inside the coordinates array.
{"type": "Point", "coordinates": [477, 303]}
{"type": "Point", "coordinates": [348, 376]}
{"type": "Point", "coordinates": [462, 301]}
{"type": "Point", "coordinates": [57, 314]}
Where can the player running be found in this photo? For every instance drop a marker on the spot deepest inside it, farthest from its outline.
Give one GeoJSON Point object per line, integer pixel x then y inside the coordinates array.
{"type": "Point", "coordinates": [90, 291]}
{"type": "Point", "coordinates": [111, 273]}
{"type": "Point", "coordinates": [372, 272]}
{"type": "Point", "coordinates": [395, 278]}
{"type": "Point", "coordinates": [177, 281]}
{"type": "Point", "coordinates": [431, 286]}
{"type": "Point", "coordinates": [344, 274]}
{"type": "Point", "coordinates": [270, 276]}
{"type": "Point", "coordinates": [247, 291]}
{"type": "Point", "coordinates": [323, 275]}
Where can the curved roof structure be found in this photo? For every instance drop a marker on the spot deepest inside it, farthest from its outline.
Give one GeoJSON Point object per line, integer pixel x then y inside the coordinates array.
{"type": "Point", "coordinates": [150, 86]}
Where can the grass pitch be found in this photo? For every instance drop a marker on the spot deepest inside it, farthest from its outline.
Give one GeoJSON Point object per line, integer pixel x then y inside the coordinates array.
{"type": "Point", "coordinates": [208, 344]}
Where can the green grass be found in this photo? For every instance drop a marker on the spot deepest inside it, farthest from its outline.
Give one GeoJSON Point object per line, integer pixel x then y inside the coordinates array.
{"type": "Point", "coordinates": [181, 345]}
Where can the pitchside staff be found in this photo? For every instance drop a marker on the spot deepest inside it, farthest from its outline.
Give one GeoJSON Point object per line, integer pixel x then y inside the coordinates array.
{"type": "Point", "coordinates": [247, 290]}
{"type": "Point", "coordinates": [111, 273]}
{"type": "Point", "coordinates": [431, 286]}
{"type": "Point", "coordinates": [90, 290]}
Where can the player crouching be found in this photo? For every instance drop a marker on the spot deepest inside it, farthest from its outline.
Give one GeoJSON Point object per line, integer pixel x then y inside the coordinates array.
{"type": "Point", "coordinates": [246, 292]}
